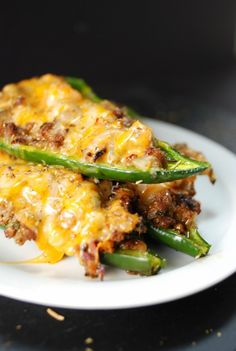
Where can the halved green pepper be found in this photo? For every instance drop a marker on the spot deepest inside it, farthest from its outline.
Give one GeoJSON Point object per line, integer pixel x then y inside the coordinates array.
{"type": "Point", "coordinates": [85, 89]}
{"type": "Point", "coordinates": [174, 170]}
{"type": "Point", "coordinates": [177, 166]}
{"type": "Point", "coordinates": [143, 263]}
{"type": "Point", "coordinates": [182, 162]}
{"type": "Point", "coordinates": [80, 85]}
{"type": "Point", "coordinates": [192, 244]}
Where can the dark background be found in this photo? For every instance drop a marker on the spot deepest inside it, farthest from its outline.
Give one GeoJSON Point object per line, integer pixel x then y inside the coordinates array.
{"type": "Point", "coordinates": [173, 60]}
{"type": "Point", "coordinates": [116, 41]}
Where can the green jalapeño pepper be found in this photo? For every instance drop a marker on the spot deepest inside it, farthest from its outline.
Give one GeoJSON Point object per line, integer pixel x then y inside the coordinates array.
{"type": "Point", "coordinates": [45, 101]}
{"type": "Point", "coordinates": [191, 244]}
{"type": "Point", "coordinates": [143, 263]}
{"type": "Point", "coordinates": [173, 171]}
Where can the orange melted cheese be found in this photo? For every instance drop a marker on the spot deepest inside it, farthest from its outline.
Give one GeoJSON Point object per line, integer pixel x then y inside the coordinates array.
{"type": "Point", "coordinates": [90, 126]}
{"type": "Point", "coordinates": [63, 209]}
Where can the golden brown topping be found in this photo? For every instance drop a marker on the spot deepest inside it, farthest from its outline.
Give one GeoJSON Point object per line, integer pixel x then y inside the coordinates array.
{"type": "Point", "coordinates": [20, 233]}
{"type": "Point", "coordinates": [134, 244]}
{"type": "Point", "coordinates": [46, 112]}
{"type": "Point", "coordinates": [64, 213]}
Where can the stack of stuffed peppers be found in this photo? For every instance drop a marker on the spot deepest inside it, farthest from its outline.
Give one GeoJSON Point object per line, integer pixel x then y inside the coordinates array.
{"type": "Point", "coordinates": [53, 128]}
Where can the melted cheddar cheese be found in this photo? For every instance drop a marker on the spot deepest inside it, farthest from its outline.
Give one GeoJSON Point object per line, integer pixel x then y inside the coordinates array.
{"type": "Point", "coordinates": [63, 210]}
{"type": "Point", "coordinates": [87, 127]}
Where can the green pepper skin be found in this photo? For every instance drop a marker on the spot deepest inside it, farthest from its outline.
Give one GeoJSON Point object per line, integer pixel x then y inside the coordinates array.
{"type": "Point", "coordinates": [85, 89]}
{"type": "Point", "coordinates": [178, 166]}
{"type": "Point", "coordinates": [194, 245]}
{"type": "Point", "coordinates": [143, 263]}
{"type": "Point", "coordinates": [103, 171]}
{"type": "Point", "coordinates": [172, 154]}
{"type": "Point", "coordinates": [80, 85]}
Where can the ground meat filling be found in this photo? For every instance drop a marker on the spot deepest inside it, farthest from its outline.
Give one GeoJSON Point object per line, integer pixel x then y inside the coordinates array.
{"type": "Point", "coordinates": [170, 205]}
{"type": "Point", "coordinates": [65, 214]}
{"type": "Point", "coordinates": [14, 228]}
{"type": "Point", "coordinates": [47, 113]}
{"type": "Point", "coordinates": [158, 154]}
{"type": "Point", "coordinates": [134, 244]}
{"type": "Point", "coordinates": [89, 252]}
{"type": "Point", "coordinates": [19, 232]}
{"type": "Point", "coordinates": [31, 134]}
{"type": "Point", "coordinates": [196, 155]}
{"type": "Point", "coordinates": [171, 210]}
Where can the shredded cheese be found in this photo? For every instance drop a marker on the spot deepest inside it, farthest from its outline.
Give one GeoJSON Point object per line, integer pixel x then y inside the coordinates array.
{"type": "Point", "coordinates": [88, 126]}
{"type": "Point", "coordinates": [64, 210]}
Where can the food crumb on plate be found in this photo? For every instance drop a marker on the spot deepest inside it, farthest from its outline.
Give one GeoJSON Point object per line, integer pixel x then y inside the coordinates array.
{"type": "Point", "coordinates": [7, 344]}
{"type": "Point", "coordinates": [55, 315]}
{"type": "Point", "coordinates": [208, 331]}
{"type": "Point", "coordinates": [88, 340]}
{"type": "Point", "coordinates": [219, 334]}
{"type": "Point", "coordinates": [18, 327]}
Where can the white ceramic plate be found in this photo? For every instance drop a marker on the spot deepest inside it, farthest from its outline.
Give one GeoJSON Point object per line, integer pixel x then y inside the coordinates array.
{"type": "Point", "coordinates": [64, 284]}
